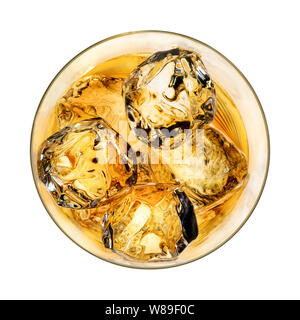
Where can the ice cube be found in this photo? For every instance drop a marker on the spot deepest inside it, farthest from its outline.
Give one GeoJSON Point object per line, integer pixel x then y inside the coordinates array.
{"type": "Point", "coordinates": [90, 97]}
{"type": "Point", "coordinates": [150, 223]}
{"type": "Point", "coordinates": [170, 91]}
{"type": "Point", "coordinates": [86, 163]}
{"type": "Point", "coordinates": [207, 164]}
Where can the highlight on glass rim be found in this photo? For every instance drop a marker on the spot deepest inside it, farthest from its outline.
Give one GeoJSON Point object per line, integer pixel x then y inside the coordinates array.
{"type": "Point", "coordinates": [142, 151]}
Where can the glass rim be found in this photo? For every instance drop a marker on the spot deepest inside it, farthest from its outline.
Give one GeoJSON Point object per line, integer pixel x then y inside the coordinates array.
{"type": "Point", "coordinates": [265, 127]}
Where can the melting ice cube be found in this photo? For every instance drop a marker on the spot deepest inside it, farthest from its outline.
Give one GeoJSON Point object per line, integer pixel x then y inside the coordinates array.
{"type": "Point", "coordinates": [150, 222]}
{"type": "Point", "coordinates": [169, 92]}
{"type": "Point", "coordinates": [86, 163]}
{"type": "Point", "coordinates": [90, 97]}
{"type": "Point", "coordinates": [209, 166]}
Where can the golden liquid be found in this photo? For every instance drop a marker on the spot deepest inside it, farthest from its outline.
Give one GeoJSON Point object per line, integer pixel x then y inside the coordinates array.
{"type": "Point", "coordinates": [227, 119]}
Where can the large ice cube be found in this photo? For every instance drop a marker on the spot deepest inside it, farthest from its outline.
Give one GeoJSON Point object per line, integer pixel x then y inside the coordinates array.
{"type": "Point", "coordinates": [86, 163]}
{"type": "Point", "coordinates": [150, 222]}
{"type": "Point", "coordinates": [168, 92]}
{"type": "Point", "coordinates": [207, 164]}
{"type": "Point", "coordinates": [90, 97]}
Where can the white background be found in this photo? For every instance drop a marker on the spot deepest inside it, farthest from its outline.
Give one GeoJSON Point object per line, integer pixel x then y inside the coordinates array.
{"type": "Point", "coordinates": [37, 261]}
